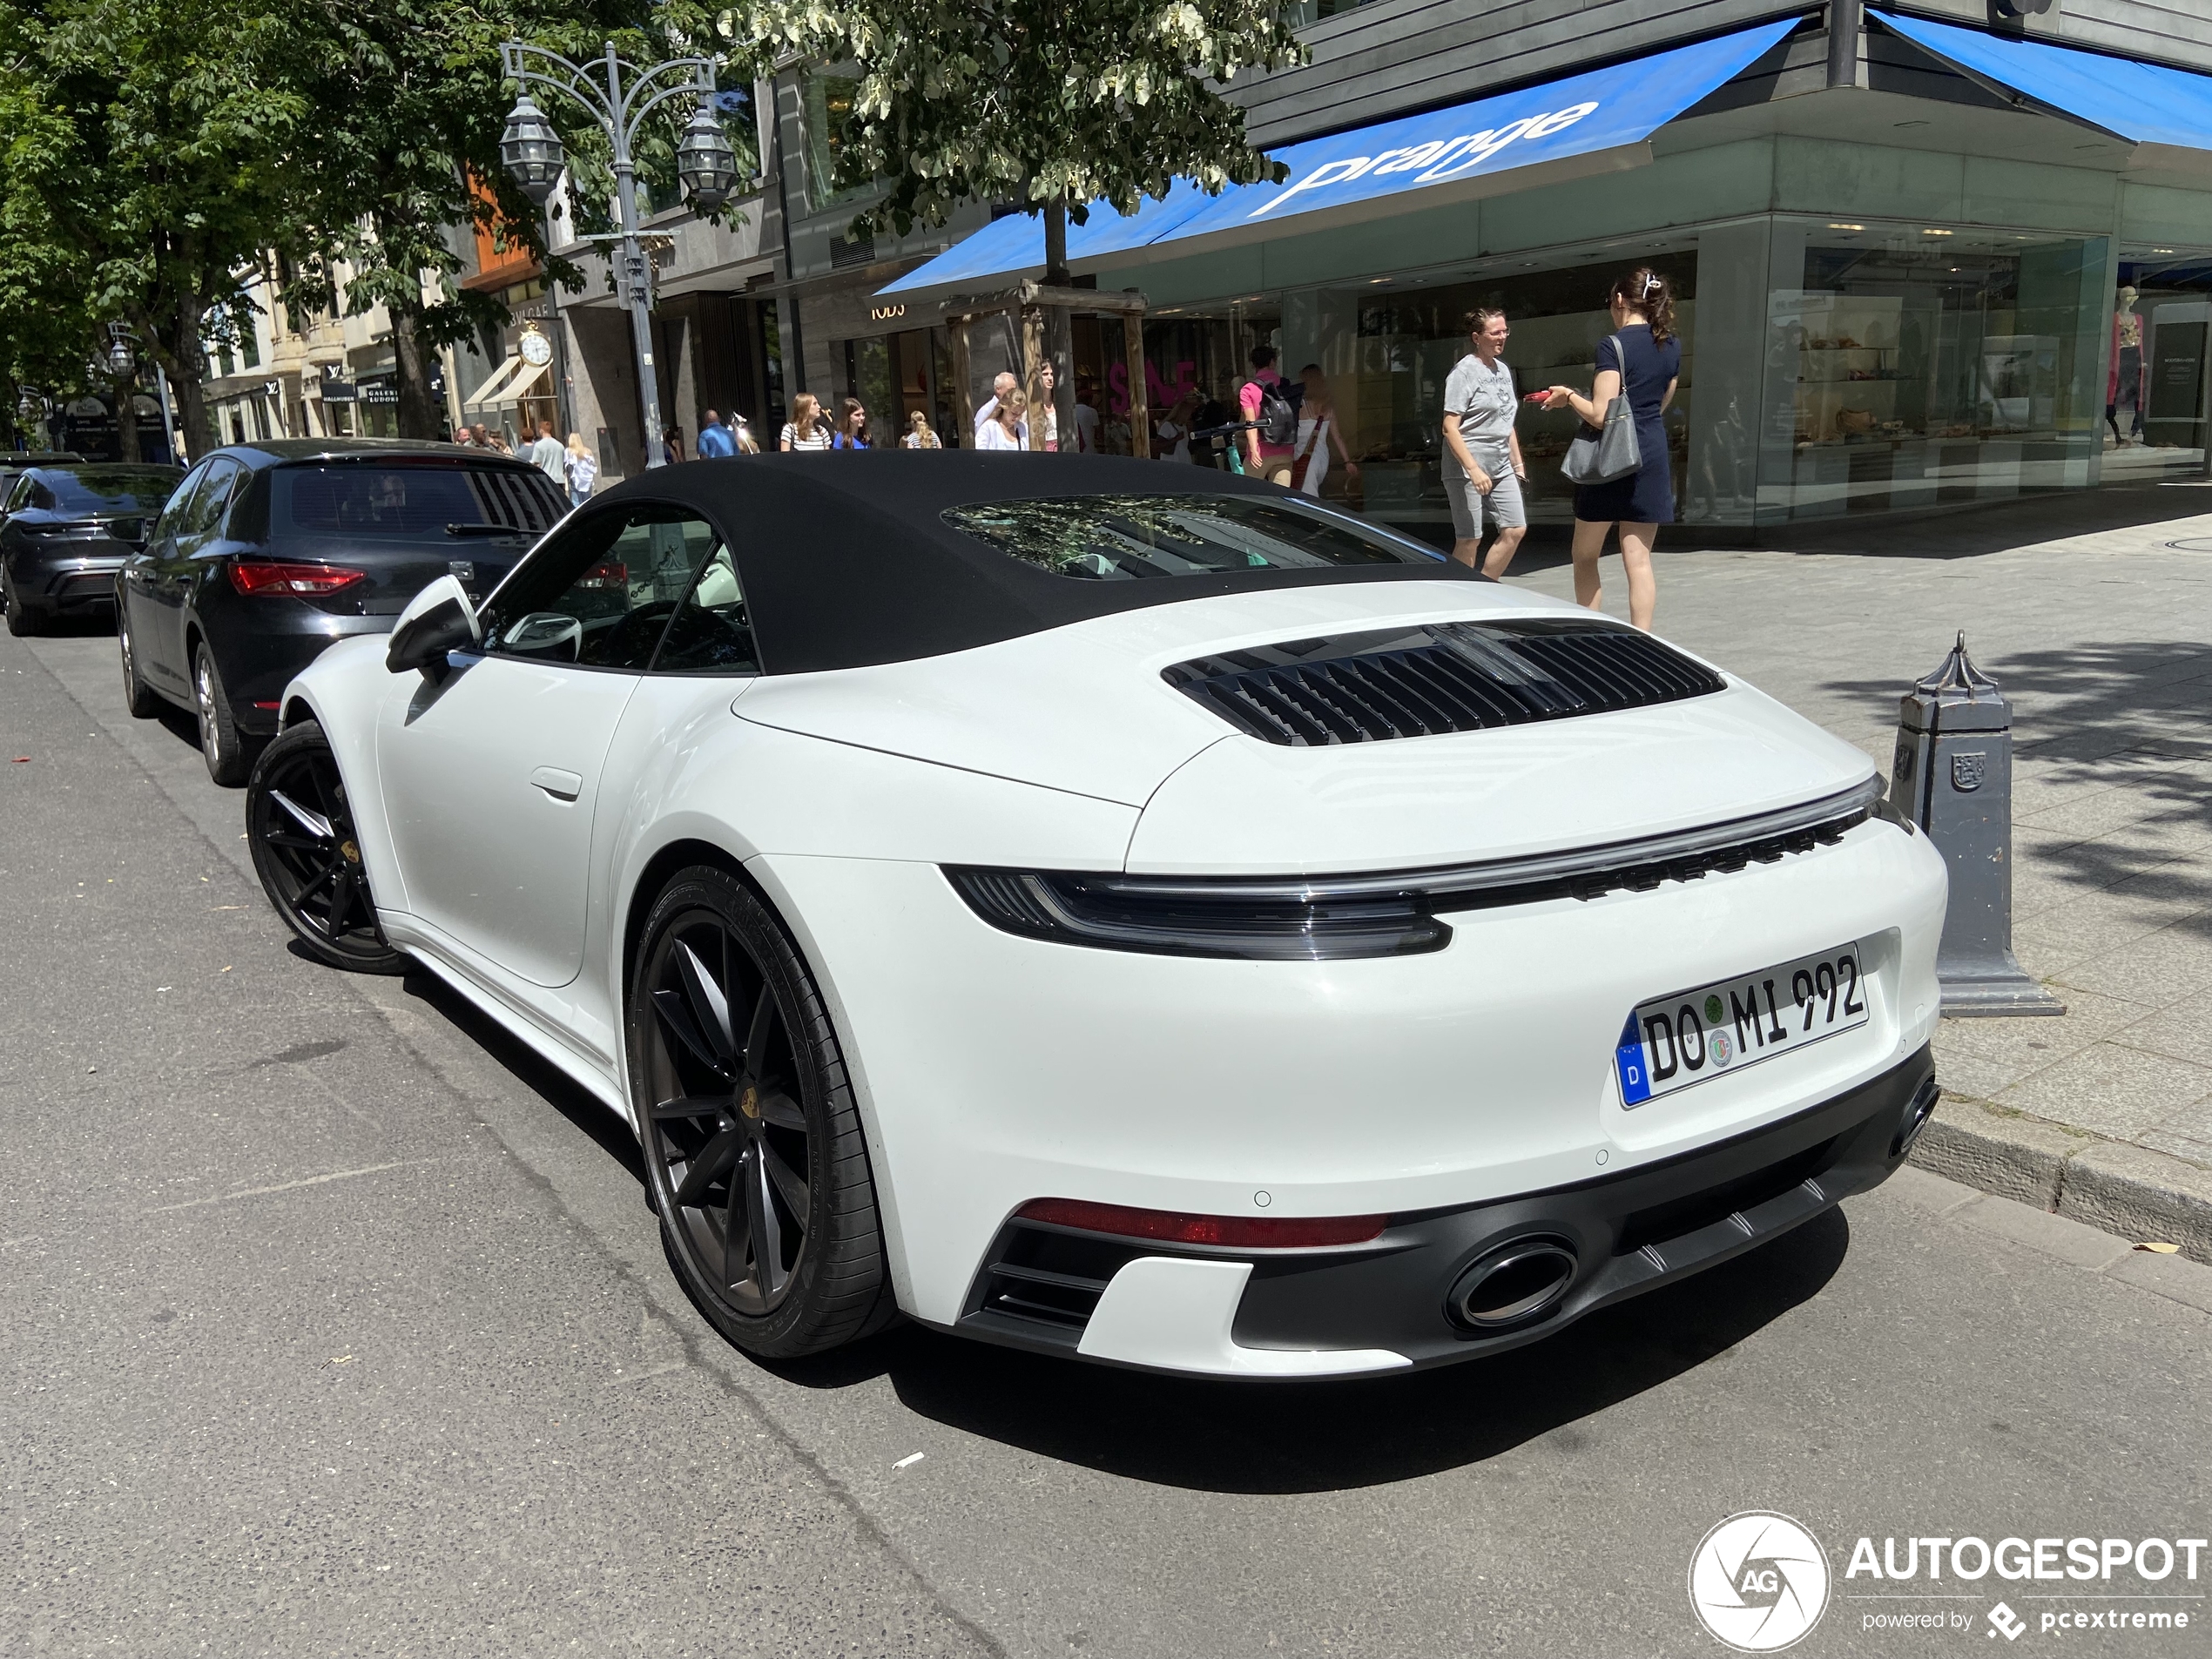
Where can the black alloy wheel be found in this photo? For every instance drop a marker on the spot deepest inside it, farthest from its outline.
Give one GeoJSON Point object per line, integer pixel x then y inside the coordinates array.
{"type": "Point", "coordinates": [140, 698]}
{"type": "Point", "coordinates": [221, 741]}
{"type": "Point", "coordinates": [21, 619]}
{"type": "Point", "coordinates": [301, 827]}
{"type": "Point", "coordinates": [754, 1153]}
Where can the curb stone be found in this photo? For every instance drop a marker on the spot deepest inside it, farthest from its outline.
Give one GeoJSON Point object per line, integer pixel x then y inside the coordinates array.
{"type": "Point", "coordinates": [2129, 1192]}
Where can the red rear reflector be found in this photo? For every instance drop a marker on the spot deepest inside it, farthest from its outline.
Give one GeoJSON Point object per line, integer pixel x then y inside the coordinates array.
{"type": "Point", "coordinates": [1238, 1232]}
{"type": "Point", "coordinates": [608, 573]}
{"type": "Point", "coordinates": [268, 706]}
{"type": "Point", "coordinates": [262, 577]}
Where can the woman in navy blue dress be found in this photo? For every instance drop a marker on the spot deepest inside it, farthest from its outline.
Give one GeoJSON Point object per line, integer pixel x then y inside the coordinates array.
{"type": "Point", "coordinates": [1643, 369]}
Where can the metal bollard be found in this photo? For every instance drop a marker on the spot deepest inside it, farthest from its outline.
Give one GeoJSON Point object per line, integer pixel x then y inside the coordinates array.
{"type": "Point", "coordinates": [1954, 777]}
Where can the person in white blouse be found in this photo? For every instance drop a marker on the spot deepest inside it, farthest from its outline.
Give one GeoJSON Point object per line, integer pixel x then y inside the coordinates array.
{"type": "Point", "coordinates": [1002, 388]}
{"type": "Point", "coordinates": [1006, 428]}
{"type": "Point", "coordinates": [1317, 433]}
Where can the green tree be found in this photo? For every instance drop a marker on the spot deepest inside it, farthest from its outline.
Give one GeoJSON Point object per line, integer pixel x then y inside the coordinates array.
{"type": "Point", "coordinates": [153, 142]}
{"type": "Point", "coordinates": [46, 328]}
{"type": "Point", "coordinates": [1058, 105]}
{"type": "Point", "coordinates": [403, 168]}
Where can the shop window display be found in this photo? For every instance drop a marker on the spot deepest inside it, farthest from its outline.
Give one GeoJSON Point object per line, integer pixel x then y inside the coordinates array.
{"type": "Point", "coordinates": [1919, 366]}
{"type": "Point", "coordinates": [2174, 304]}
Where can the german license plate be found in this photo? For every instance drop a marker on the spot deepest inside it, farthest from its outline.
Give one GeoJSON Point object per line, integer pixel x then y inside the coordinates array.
{"type": "Point", "coordinates": [1675, 1041]}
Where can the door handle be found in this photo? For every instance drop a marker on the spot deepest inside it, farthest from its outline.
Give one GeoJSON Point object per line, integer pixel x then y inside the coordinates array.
{"type": "Point", "coordinates": [562, 786]}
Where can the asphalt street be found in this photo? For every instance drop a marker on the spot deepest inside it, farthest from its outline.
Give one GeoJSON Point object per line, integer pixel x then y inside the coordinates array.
{"type": "Point", "coordinates": [335, 1324]}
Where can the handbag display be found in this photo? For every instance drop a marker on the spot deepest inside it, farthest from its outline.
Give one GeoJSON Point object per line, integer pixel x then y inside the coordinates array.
{"type": "Point", "coordinates": [1614, 453]}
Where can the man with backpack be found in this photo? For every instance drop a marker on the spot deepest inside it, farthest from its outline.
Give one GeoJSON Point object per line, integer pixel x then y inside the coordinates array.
{"type": "Point", "coordinates": [1270, 439]}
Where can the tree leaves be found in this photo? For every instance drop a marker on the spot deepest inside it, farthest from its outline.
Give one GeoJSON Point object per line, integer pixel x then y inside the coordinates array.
{"type": "Point", "coordinates": [1093, 100]}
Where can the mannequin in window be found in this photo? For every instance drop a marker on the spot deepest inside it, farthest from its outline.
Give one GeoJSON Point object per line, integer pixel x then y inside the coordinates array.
{"type": "Point", "coordinates": [2125, 384]}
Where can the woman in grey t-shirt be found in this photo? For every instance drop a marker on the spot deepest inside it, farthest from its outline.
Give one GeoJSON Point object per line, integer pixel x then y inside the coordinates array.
{"type": "Point", "coordinates": [1483, 471]}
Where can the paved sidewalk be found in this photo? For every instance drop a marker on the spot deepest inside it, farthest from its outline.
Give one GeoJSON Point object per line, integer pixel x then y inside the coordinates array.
{"type": "Point", "coordinates": [2099, 629]}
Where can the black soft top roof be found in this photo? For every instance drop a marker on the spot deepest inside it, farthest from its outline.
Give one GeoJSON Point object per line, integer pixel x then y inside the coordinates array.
{"type": "Point", "coordinates": [847, 562]}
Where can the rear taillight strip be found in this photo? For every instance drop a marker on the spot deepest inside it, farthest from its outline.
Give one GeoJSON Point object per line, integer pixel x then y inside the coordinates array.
{"type": "Point", "coordinates": [268, 578]}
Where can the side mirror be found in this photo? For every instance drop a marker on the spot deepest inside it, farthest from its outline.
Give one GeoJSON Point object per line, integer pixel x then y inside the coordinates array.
{"type": "Point", "coordinates": [438, 620]}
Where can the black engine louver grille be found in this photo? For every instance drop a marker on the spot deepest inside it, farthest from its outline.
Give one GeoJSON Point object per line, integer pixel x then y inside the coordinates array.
{"type": "Point", "coordinates": [1439, 678]}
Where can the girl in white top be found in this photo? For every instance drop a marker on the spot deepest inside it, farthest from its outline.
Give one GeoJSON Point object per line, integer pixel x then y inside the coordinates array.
{"type": "Point", "coordinates": [806, 429]}
{"type": "Point", "coordinates": [1317, 433]}
{"type": "Point", "coordinates": [582, 469]}
{"type": "Point", "coordinates": [1174, 427]}
{"type": "Point", "coordinates": [1003, 429]}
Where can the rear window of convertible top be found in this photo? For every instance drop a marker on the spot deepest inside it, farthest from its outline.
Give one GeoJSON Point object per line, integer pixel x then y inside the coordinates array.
{"type": "Point", "coordinates": [404, 501]}
{"type": "Point", "coordinates": [1116, 537]}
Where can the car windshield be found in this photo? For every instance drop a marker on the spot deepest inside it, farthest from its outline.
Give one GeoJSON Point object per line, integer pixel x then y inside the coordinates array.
{"type": "Point", "coordinates": [1110, 537]}
{"type": "Point", "coordinates": [105, 489]}
{"type": "Point", "coordinates": [411, 501]}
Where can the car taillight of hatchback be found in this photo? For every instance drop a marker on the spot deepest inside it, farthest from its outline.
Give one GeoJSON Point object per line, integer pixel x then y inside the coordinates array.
{"type": "Point", "coordinates": [261, 578]}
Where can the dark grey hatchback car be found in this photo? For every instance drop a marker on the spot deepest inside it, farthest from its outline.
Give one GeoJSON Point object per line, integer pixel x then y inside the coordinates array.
{"type": "Point", "coordinates": [268, 552]}
{"type": "Point", "coordinates": [65, 529]}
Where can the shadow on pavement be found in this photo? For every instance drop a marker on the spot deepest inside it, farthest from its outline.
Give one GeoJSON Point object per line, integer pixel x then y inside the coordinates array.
{"type": "Point", "coordinates": [1970, 531]}
{"type": "Point", "coordinates": [1329, 1436]}
{"type": "Point", "coordinates": [1966, 531]}
{"type": "Point", "coordinates": [601, 1125]}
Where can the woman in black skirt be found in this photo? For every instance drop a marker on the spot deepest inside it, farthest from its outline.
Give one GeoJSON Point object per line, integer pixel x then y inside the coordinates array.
{"type": "Point", "coordinates": [1640, 362]}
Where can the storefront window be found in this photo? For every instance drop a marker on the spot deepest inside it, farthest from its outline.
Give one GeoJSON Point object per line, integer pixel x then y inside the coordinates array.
{"type": "Point", "coordinates": [869, 379]}
{"type": "Point", "coordinates": [1384, 350]}
{"type": "Point", "coordinates": [897, 375]}
{"type": "Point", "coordinates": [1925, 364]}
{"type": "Point", "coordinates": [829, 100]}
{"type": "Point", "coordinates": [772, 365]}
{"type": "Point", "coordinates": [2156, 404]}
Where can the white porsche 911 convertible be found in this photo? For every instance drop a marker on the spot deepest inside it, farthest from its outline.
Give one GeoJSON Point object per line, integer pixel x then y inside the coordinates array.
{"type": "Point", "coordinates": [1122, 910]}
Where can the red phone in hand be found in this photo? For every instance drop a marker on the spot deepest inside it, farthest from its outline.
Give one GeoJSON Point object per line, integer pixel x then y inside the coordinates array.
{"type": "Point", "coordinates": [1536, 397]}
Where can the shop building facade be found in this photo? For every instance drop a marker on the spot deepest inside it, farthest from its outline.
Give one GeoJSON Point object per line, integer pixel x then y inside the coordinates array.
{"type": "Point", "coordinates": [1904, 282]}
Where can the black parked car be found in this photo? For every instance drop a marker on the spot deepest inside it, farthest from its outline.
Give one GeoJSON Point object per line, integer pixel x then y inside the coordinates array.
{"type": "Point", "coordinates": [65, 530]}
{"type": "Point", "coordinates": [14, 461]}
{"type": "Point", "coordinates": [267, 552]}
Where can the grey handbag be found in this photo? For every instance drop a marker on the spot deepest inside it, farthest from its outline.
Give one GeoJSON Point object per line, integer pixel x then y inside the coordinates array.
{"type": "Point", "coordinates": [1614, 452]}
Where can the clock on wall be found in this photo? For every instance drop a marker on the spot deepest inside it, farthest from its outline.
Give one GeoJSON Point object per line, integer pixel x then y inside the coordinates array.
{"type": "Point", "coordinates": [537, 349]}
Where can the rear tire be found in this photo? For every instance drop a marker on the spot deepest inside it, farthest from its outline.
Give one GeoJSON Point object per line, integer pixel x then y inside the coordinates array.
{"type": "Point", "coordinates": [21, 619]}
{"type": "Point", "coordinates": [221, 741]}
{"type": "Point", "coordinates": [755, 1159]}
{"type": "Point", "coordinates": [299, 824]}
{"type": "Point", "coordinates": [139, 698]}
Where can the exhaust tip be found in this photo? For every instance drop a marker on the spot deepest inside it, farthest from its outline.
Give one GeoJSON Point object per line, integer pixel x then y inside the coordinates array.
{"type": "Point", "coordinates": [1917, 1113]}
{"type": "Point", "coordinates": [1516, 1284]}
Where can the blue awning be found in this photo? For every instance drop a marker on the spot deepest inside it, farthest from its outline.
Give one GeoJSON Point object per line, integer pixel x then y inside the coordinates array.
{"type": "Point", "coordinates": [1585, 123]}
{"type": "Point", "coordinates": [2146, 104]}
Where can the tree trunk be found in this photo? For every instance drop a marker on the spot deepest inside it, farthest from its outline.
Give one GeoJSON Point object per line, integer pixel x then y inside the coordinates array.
{"type": "Point", "coordinates": [1033, 358]}
{"type": "Point", "coordinates": [187, 365]}
{"type": "Point", "coordinates": [1059, 333]}
{"type": "Point", "coordinates": [126, 417]}
{"type": "Point", "coordinates": [419, 415]}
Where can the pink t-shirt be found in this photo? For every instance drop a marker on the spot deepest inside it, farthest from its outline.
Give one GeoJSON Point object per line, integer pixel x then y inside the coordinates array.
{"type": "Point", "coordinates": [1248, 400]}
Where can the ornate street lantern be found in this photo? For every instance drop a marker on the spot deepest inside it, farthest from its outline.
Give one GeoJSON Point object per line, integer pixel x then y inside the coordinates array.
{"type": "Point", "coordinates": [122, 352]}
{"type": "Point", "coordinates": [706, 162]}
{"type": "Point", "coordinates": [531, 150]}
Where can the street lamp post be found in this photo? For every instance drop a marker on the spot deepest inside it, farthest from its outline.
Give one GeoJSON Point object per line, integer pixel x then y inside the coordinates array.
{"type": "Point", "coordinates": [619, 97]}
